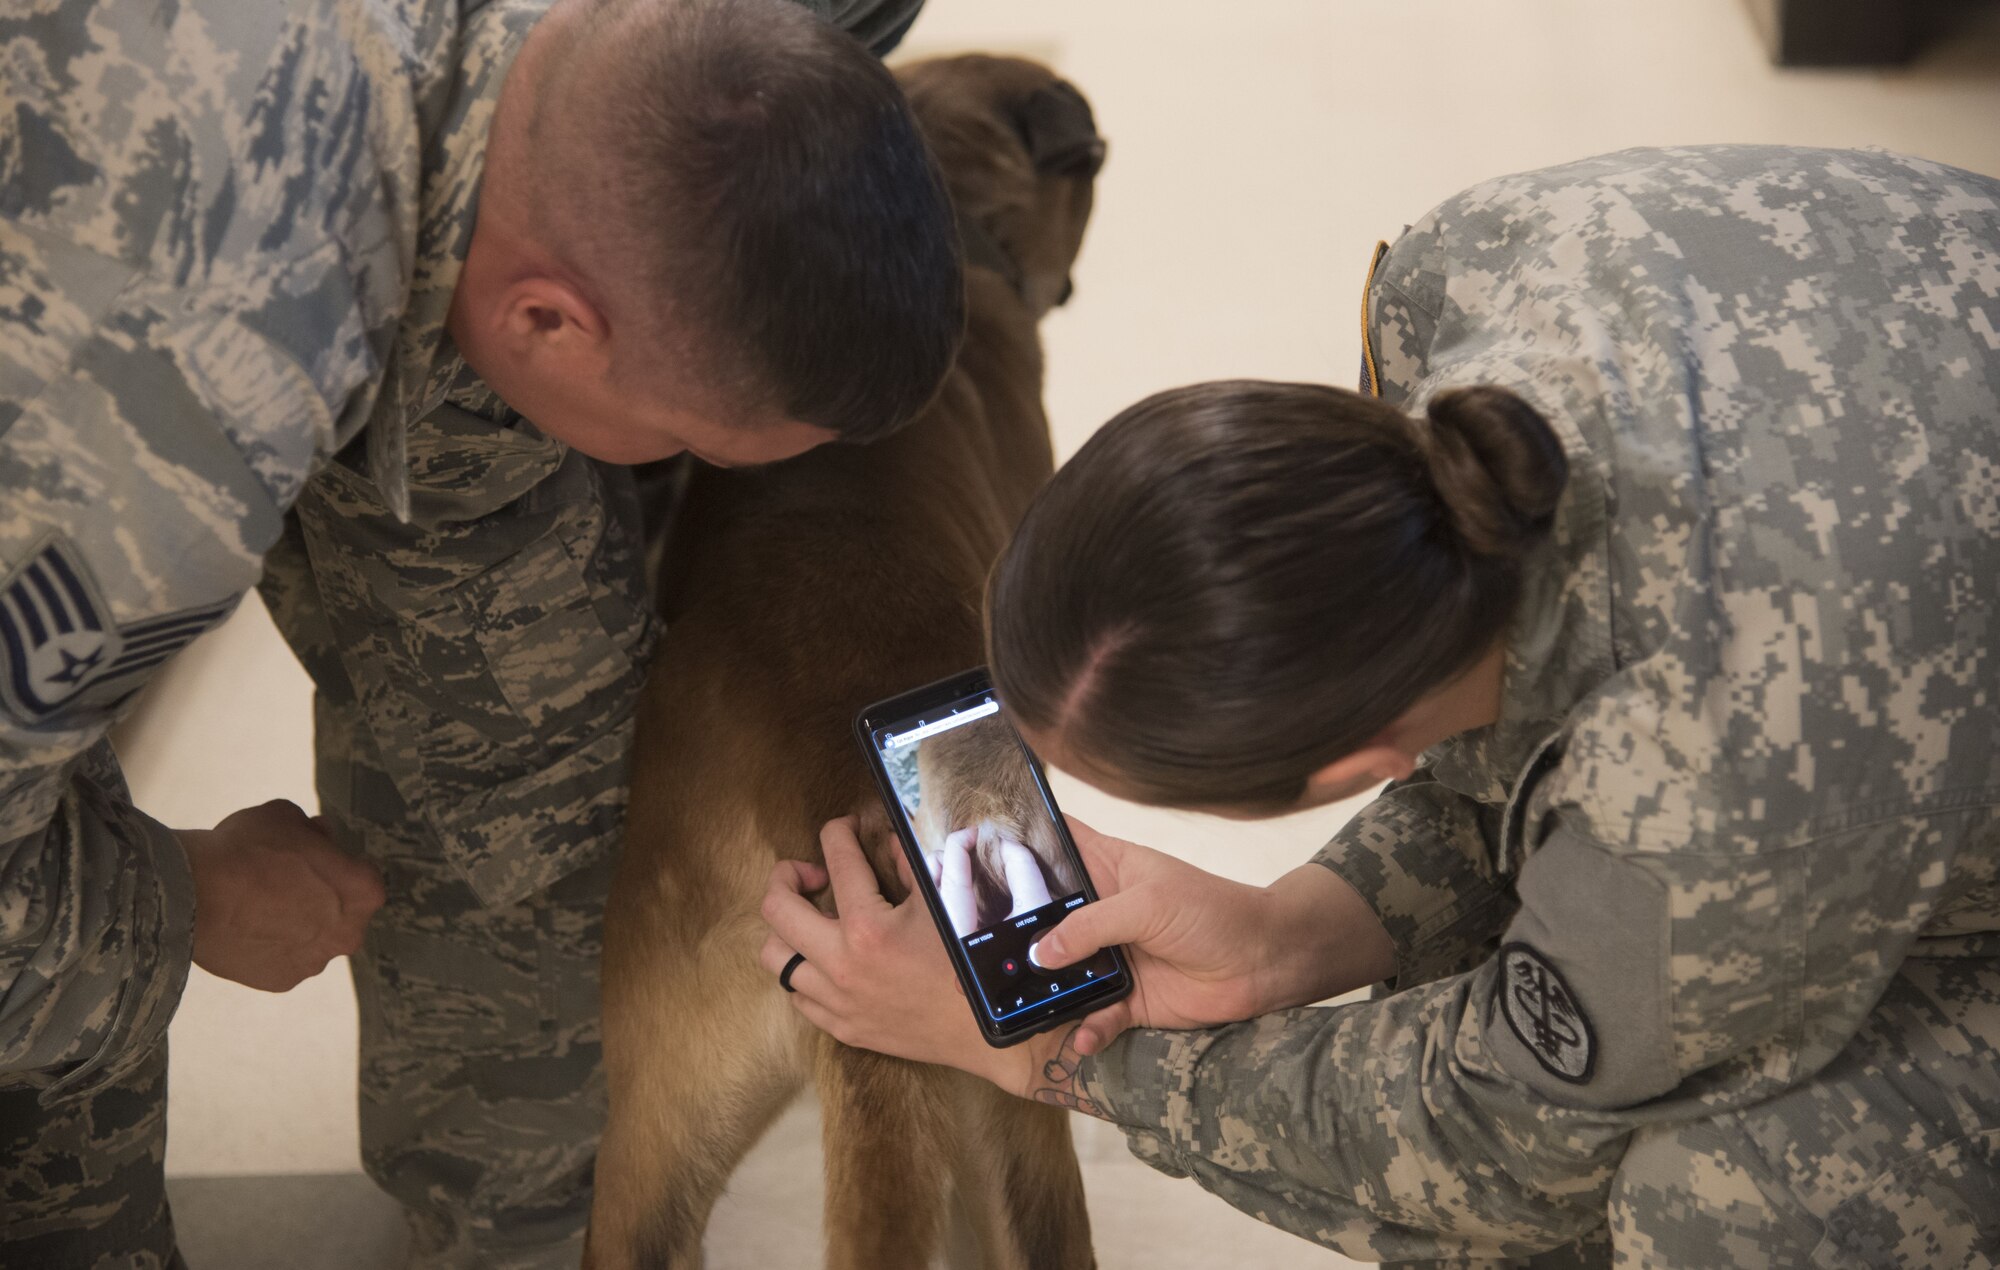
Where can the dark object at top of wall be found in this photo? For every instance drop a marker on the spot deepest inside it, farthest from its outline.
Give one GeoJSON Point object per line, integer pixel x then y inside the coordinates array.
{"type": "Point", "coordinates": [1851, 32]}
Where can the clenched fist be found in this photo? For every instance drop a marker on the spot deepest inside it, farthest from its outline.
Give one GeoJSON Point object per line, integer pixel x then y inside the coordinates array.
{"type": "Point", "coordinates": [275, 900]}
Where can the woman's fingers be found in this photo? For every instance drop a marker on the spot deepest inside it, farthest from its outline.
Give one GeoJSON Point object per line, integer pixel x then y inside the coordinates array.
{"type": "Point", "coordinates": [1126, 918]}
{"type": "Point", "coordinates": [807, 980]}
{"type": "Point", "coordinates": [788, 912]}
{"type": "Point", "coordinates": [1101, 854]}
{"type": "Point", "coordinates": [854, 887]}
{"type": "Point", "coordinates": [802, 876]}
{"type": "Point", "coordinates": [774, 953]}
{"type": "Point", "coordinates": [813, 877]}
{"type": "Point", "coordinates": [1102, 1028]}
{"type": "Point", "coordinates": [821, 1017]}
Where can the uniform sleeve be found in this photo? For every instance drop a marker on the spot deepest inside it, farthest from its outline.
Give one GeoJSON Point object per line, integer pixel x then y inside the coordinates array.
{"type": "Point", "coordinates": [96, 931]}
{"type": "Point", "coordinates": [1642, 980]}
{"type": "Point", "coordinates": [1422, 857]}
{"type": "Point", "coordinates": [1370, 1128]}
{"type": "Point", "coordinates": [134, 518]}
{"type": "Point", "coordinates": [481, 663]}
{"type": "Point", "coordinates": [175, 357]}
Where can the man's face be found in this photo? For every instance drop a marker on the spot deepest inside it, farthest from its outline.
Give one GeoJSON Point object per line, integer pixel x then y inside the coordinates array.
{"type": "Point", "coordinates": [547, 350]}
{"type": "Point", "coordinates": [620, 424]}
{"type": "Point", "coordinates": [628, 427]}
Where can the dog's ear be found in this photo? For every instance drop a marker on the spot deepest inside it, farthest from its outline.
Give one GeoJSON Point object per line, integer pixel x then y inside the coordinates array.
{"type": "Point", "coordinates": [1056, 125]}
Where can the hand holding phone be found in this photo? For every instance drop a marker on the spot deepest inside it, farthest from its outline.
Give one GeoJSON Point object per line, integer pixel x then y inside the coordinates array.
{"type": "Point", "coordinates": [993, 858]}
{"type": "Point", "coordinates": [1206, 950]}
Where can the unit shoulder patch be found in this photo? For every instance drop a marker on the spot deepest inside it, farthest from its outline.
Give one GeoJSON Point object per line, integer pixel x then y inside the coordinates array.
{"type": "Point", "coordinates": [57, 639]}
{"type": "Point", "coordinates": [1545, 1015]}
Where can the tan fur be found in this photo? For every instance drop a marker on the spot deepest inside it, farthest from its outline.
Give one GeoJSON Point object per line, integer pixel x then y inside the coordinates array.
{"type": "Point", "coordinates": [795, 596]}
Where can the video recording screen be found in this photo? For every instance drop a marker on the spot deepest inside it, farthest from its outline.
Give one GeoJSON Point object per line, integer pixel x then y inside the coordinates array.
{"type": "Point", "coordinates": [1003, 870]}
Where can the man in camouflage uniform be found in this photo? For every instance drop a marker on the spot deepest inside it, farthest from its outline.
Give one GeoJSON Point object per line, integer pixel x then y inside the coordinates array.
{"type": "Point", "coordinates": [236, 312]}
{"type": "Point", "coordinates": [1698, 947]}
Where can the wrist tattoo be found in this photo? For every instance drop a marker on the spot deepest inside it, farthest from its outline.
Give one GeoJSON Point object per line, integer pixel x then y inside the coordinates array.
{"type": "Point", "coordinates": [1058, 1085]}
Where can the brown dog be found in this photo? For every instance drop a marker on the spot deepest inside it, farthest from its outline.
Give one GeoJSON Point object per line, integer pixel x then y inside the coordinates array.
{"type": "Point", "coordinates": [796, 595]}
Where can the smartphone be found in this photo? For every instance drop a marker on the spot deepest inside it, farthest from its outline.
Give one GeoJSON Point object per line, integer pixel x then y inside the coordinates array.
{"type": "Point", "coordinates": [992, 856]}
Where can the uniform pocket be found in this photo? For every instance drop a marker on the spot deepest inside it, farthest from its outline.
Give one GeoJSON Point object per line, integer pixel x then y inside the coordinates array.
{"type": "Point", "coordinates": [549, 655]}
{"type": "Point", "coordinates": [496, 663]}
{"type": "Point", "coordinates": [556, 699]}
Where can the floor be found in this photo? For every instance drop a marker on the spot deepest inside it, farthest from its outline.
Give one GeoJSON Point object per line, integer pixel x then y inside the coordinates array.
{"type": "Point", "coordinates": [1258, 151]}
{"type": "Point", "coordinates": [770, 1217]}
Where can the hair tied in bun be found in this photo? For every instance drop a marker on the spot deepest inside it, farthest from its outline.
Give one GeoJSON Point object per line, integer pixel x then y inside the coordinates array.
{"type": "Point", "coordinates": [1498, 467]}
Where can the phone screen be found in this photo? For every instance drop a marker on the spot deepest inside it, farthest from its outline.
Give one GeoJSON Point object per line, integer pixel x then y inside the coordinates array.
{"type": "Point", "coordinates": [999, 860]}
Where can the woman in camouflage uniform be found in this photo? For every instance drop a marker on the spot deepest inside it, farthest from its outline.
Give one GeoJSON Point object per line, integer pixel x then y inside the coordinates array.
{"type": "Point", "coordinates": [1658, 569]}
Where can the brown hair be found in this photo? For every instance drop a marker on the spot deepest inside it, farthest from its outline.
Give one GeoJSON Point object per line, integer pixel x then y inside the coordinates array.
{"type": "Point", "coordinates": [747, 167]}
{"type": "Point", "coordinates": [1234, 584]}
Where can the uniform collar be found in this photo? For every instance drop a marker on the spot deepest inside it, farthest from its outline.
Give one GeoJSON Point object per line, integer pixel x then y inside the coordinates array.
{"type": "Point", "coordinates": [456, 104]}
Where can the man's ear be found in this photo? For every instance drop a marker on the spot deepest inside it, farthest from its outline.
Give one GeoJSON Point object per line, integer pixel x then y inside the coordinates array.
{"type": "Point", "coordinates": [1365, 768]}
{"type": "Point", "coordinates": [547, 324]}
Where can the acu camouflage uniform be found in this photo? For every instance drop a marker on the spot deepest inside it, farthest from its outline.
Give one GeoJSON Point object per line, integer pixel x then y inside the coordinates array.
{"type": "Point", "coordinates": [1697, 951]}
{"type": "Point", "coordinates": [229, 236]}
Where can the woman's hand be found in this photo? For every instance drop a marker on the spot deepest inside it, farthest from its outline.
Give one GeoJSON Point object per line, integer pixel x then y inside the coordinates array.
{"type": "Point", "coordinates": [1205, 950]}
{"type": "Point", "coordinates": [274, 899]}
{"type": "Point", "coordinates": [876, 977]}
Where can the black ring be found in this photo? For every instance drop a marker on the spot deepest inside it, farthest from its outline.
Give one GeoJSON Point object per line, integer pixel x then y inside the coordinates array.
{"type": "Point", "coordinates": [785, 975]}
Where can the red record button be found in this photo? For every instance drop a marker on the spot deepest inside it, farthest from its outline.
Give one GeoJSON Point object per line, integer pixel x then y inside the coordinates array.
{"type": "Point", "coordinates": [1011, 966]}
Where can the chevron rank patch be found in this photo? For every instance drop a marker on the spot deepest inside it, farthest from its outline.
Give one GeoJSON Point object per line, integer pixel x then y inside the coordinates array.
{"type": "Point", "coordinates": [1544, 1014]}
{"type": "Point", "coordinates": [58, 641]}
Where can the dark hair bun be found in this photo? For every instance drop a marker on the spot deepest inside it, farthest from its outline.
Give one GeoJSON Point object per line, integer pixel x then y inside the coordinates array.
{"type": "Point", "coordinates": [1498, 467]}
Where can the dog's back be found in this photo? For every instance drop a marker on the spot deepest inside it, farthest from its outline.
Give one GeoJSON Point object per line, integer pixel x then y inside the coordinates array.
{"type": "Point", "coordinates": [796, 595]}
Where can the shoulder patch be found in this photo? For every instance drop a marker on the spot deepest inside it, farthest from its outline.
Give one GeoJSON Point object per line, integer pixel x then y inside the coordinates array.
{"type": "Point", "coordinates": [57, 638]}
{"type": "Point", "coordinates": [1545, 1015]}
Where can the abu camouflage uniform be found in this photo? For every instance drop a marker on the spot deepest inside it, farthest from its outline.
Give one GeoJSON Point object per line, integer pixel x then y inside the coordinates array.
{"type": "Point", "coordinates": [1697, 951]}
{"type": "Point", "coordinates": [229, 236]}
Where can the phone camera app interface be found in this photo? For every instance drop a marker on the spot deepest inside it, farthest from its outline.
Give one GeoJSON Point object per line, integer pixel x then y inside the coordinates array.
{"type": "Point", "coordinates": [995, 855]}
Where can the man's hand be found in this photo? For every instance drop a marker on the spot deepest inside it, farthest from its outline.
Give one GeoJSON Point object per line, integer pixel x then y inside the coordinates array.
{"type": "Point", "coordinates": [275, 900]}
{"type": "Point", "coordinates": [1205, 950]}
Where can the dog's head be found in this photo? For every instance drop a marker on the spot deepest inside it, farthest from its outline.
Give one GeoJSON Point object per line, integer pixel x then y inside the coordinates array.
{"type": "Point", "coordinates": [1020, 152]}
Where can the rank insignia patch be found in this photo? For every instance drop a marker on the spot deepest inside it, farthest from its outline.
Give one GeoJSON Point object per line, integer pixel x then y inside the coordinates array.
{"type": "Point", "coordinates": [57, 637]}
{"type": "Point", "coordinates": [1544, 1014]}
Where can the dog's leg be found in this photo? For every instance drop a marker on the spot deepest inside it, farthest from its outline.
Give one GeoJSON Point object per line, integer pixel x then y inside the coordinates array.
{"type": "Point", "coordinates": [702, 1053]}
{"type": "Point", "coordinates": [887, 1130]}
{"type": "Point", "coordinates": [1018, 1178]}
